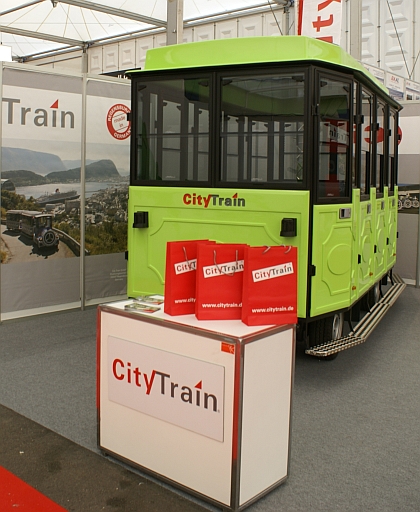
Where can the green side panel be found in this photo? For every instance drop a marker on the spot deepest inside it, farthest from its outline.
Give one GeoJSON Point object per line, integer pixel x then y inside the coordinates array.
{"type": "Point", "coordinates": [354, 290]}
{"type": "Point", "coordinates": [245, 216]}
{"type": "Point", "coordinates": [251, 50]}
{"type": "Point", "coordinates": [366, 247]}
{"type": "Point", "coordinates": [392, 230]}
{"type": "Point", "coordinates": [381, 235]}
{"type": "Point", "coordinates": [332, 256]}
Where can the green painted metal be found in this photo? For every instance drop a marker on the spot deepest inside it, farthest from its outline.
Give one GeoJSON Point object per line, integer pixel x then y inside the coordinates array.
{"type": "Point", "coordinates": [255, 220]}
{"type": "Point", "coordinates": [381, 232]}
{"type": "Point", "coordinates": [366, 246]}
{"type": "Point", "coordinates": [332, 255]}
{"type": "Point", "coordinates": [251, 50]}
{"type": "Point", "coordinates": [392, 215]}
{"type": "Point", "coordinates": [354, 290]}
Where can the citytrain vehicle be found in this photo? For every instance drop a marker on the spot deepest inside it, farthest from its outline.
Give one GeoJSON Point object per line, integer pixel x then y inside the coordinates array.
{"type": "Point", "coordinates": [270, 141]}
{"type": "Point", "coordinates": [35, 225]}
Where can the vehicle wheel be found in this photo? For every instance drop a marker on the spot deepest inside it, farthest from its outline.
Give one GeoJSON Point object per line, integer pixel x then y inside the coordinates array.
{"type": "Point", "coordinates": [326, 329]}
{"type": "Point", "coordinates": [372, 297]}
{"type": "Point", "coordinates": [49, 238]}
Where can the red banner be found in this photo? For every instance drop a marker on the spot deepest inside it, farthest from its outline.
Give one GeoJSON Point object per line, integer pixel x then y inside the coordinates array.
{"type": "Point", "coordinates": [321, 19]}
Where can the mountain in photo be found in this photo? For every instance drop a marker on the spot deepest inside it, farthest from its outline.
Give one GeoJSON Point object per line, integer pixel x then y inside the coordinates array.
{"type": "Point", "coordinates": [101, 170]}
{"type": "Point", "coordinates": [24, 178]}
{"type": "Point", "coordinates": [17, 159]}
{"type": "Point", "coordinates": [72, 164]}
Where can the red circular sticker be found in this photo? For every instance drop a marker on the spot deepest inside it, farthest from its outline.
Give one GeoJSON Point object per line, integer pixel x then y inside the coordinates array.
{"type": "Point", "coordinates": [117, 123]}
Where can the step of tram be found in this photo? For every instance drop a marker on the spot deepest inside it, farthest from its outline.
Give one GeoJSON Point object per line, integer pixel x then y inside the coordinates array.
{"type": "Point", "coordinates": [366, 325]}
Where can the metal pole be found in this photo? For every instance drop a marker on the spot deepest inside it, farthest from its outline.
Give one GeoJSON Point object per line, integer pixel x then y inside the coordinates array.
{"type": "Point", "coordinates": [175, 27]}
{"type": "Point", "coordinates": [82, 194]}
{"type": "Point", "coordinates": [356, 29]}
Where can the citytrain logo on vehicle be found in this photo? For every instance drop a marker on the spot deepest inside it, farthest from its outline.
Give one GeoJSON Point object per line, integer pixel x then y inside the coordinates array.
{"type": "Point", "coordinates": [39, 117]}
{"type": "Point", "coordinates": [195, 199]}
{"type": "Point", "coordinates": [181, 390]}
{"type": "Point", "coordinates": [117, 121]}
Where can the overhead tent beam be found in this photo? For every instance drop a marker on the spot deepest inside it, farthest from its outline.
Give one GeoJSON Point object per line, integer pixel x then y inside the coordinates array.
{"type": "Point", "coordinates": [114, 12]}
{"type": "Point", "coordinates": [40, 35]}
{"type": "Point", "coordinates": [23, 6]}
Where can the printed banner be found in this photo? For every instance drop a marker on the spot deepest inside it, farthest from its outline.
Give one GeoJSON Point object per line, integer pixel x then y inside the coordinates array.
{"type": "Point", "coordinates": [321, 19]}
{"type": "Point", "coordinates": [173, 388]}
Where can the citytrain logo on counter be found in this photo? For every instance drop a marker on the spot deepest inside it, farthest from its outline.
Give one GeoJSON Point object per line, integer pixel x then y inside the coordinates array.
{"type": "Point", "coordinates": [180, 390]}
{"type": "Point", "coordinates": [213, 200]}
{"type": "Point", "coordinates": [41, 117]}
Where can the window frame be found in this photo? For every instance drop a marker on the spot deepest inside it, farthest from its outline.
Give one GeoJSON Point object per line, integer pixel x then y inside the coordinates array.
{"type": "Point", "coordinates": [348, 79]}
{"type": "Point", "coordinates": [167, 76]}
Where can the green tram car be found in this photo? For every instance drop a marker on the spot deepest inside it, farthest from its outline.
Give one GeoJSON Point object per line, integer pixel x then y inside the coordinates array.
{"type": "Point", "coordinates": [270, 141]}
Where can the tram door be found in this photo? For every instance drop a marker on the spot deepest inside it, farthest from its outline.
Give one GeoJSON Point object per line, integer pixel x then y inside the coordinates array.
{"type": "Point", "coordinates": [334, 215]}
{"type": "Point", "coordinates": [380, 202]}
{"type": "Point", "coordinates": [366, 210]}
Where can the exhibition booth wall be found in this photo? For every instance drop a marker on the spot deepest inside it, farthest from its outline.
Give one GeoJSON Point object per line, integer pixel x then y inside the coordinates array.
{"type": "Point", "coordinates": [408, 265]}
{"type": "Point", "coordinates": [64, 152]}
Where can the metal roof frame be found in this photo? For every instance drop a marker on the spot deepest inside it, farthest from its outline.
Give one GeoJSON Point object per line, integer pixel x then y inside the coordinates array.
{"type": "Point", "coordinates": [150, 24]}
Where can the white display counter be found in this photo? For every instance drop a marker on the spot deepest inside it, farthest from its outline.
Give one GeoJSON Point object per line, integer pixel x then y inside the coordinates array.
{"type": "Point", "coordinates": [203, 405]}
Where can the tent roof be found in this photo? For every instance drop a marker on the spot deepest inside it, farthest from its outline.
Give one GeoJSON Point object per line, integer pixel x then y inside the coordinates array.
{"type": "Point", "coordinates": [37, 27]}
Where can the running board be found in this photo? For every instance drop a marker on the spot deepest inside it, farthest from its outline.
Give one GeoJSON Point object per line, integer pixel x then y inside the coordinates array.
{"type": "Point", "coordinates": [366, 325]}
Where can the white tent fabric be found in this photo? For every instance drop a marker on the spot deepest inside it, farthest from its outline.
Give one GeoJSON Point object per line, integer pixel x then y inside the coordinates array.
{"type": "Point", "coordinates": [38, 26]}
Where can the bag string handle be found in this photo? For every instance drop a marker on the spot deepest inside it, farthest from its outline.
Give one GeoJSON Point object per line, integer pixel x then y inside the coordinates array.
{"type": "Point", "coordinates": [220, 270]}
{"type": "Point", "coordinates": [186, 259]}
{"type": "Point", "coordinates": [268, 247]}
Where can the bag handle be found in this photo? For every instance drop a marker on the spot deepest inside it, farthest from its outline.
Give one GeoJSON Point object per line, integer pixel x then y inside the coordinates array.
{"type": "Point", "coordinates": [186, 259]}
{"type": "Point", "coordinates": [219, 269]}
{"type": "Point", "coordinates": [268, 247]}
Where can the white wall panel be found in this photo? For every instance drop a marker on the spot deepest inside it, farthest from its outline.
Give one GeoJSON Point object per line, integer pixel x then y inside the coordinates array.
{"type": "Point", "coordinates": [414, 61]}
{"type": "Point", "coordinates": [203, 32]}
{"type": "Point", "coordinates": [250, 26]}
{"type": "Point", "coordinates": [227, 29]}
{"type": "Point", "coordinates": [273, 24]}
{"type": "Point", "coordinates": [396, 34]}
{"type": "Point", "coordinates": [110, 58]}
{"type": "Point", "coordinates": [370, 21]}
{"type": "Point", "coordinates": [187, 36]}
{"type": "Point", "coordinates": [142, 45]}
{"type": "Point", "coordinates": [95, 60]}
{"type": "Point", "coordinates": [127, 54]}
{"type": "Point", "coordinates": [159, 40]}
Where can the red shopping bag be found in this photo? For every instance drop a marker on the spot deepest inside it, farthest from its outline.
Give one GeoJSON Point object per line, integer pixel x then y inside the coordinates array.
{"type": "Point", "coordinates": [219, 281]}
{"type": "Point", "coordinates": [270, 286]}
{"type": "Point", "coordinates": [180, 275]}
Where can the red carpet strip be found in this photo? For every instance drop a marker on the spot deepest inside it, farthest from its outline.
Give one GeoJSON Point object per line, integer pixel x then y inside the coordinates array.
{"type": "Point", "coordinates": [16, 495]}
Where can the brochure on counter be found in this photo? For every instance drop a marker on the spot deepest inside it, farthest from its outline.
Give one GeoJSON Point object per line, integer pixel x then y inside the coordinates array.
{"type": "Point", "coordinates": [145, 304]}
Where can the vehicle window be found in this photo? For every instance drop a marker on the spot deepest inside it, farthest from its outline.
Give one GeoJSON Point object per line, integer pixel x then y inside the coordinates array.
{"type": "Point", "coordinates": [334, 141]}
{"type": "Point", "coordinates": [367, 106]}
{"type": "Point", "coordinates": [262, 128]}
{"type": "Point", "coordinates": [380, 147]}
{"type": "Point", "coordinates": [392, 147]}
{"type": "Point", "coordinates": [173, 130]}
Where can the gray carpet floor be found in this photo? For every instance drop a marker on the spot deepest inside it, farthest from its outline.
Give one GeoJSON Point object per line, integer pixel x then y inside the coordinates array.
{"type": "Point", "coordinates": [355, 424]}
